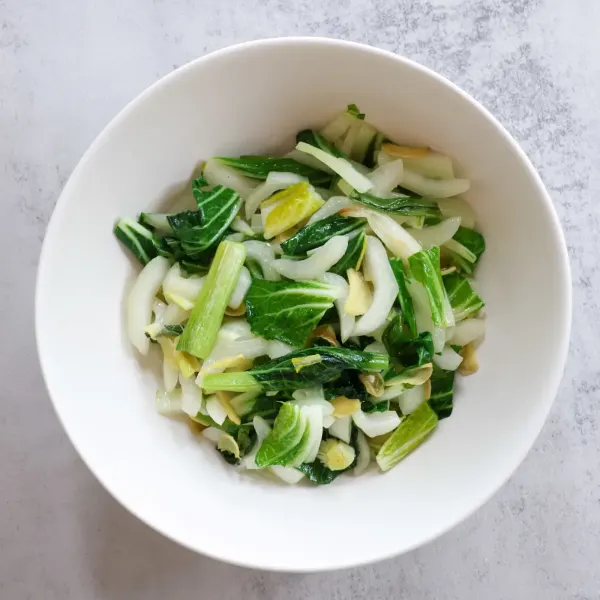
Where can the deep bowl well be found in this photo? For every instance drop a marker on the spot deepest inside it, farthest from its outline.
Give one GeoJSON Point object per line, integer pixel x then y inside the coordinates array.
{"type": "Point", "coordinates": [253, 98]}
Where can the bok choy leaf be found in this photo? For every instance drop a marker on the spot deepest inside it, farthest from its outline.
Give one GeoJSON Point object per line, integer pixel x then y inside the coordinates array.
{"type": "Point", "coordinates": [399, 205]}
{"type": "Point", "coordinates": [404, 298]}
{"type": "Point", "coordinates": [464, 300]}
{"type": "Point", "coordinates": [140, 240]}
{"type": "Point", "coordinates": [442, 392]}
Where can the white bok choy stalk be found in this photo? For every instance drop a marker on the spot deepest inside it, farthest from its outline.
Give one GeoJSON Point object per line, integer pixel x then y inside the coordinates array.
{"type": "Point", "coordinates": [377, 423]}
{"type": "Point", "coordinates": [241, 226]}
{"type": "Point", "coordinates": [263, 254]}
{"type": "Point", "coordinates": [386, 178]}
{"type": "Point", "coordinates": [422, 311]}
{"type": "Point", "coordinates": [241, 289]}
{"type": "Point", "coordinates": [141, 300]}
{"type": "Point", "coordinates": [434, 188]}
{"type": "Point", "coordinates": [390, 232]}
{"type": "Point", "coordinates": [191, 397]}
{"type": "Point", "coordinates": [317, 264]}
{"type": "Point", "coordinates": [457, 207]}
{"type": "Point", "coordinates": [448, 360]}
{"type": "Point", "coordinates": [385, 288]}
{"type": "Point", "coordinates": [216, 173]}
{"type": "Point", "coordinates": [331, 207]}
{"type": "Point", "coordinates": [364, 453]}
{"type": "Point", "coordinates": [436, 235]}
{"type": "Point", "coordinates": [346, 321]}
{"type": "Point", "coordinates": [341, 428]}
{"type": "Point", "coordinates": [465, 332]}
{"type": "Point", "coordinates": [411, 399]}
{"type": "Point", "coordinates": [180, 290]}
{"type": "Point", "coordinates": [273, 183]}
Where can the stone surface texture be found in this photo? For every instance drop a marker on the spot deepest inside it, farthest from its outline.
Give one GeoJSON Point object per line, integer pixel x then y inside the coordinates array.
{"type": "Point", "coordinates": [68, 66]}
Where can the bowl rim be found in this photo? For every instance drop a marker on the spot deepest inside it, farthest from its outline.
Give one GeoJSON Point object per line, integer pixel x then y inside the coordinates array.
{"type": "Point", "coordinates": [166, 80]}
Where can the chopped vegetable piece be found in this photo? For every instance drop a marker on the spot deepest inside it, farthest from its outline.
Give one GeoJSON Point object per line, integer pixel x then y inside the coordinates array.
{"type": "Point", "coordinates": [406, 303]}
{"type": "Point", "coordinates": [353, 258]}
{"type": "Point", "coordinates": [469, 365]}
{"type": "Point", "coordinates": [442, 391]}
{"type": "Point", "coordinates": [360, 296]}
{"type": "Point", "coordinates": [463, 299]}
{"type": "Point", "coordinates": [398, 205]}
{"type": "Point", "coordinates": [336, 455]}
{"type": "Point", "coordinates": [343, 406]}
{"type": "Point", "coordinates": [138, 239]}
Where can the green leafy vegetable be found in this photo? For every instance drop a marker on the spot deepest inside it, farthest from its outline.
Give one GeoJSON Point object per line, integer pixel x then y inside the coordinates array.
{"type": "Point", "coordinates": [259, 167]}
{"type": "Point", "coordinates": [200, 333]}
{"type": "Point", "coordinates": [442, 391]}
{"type": "Point", "coordinates": [157, 222]}
{"type": "Point", "coordinates": [473, 242]}
{"type": "Point", "coordinates": [425, 267]}
{"type": "Point", "coordinates": [285, 441]}
{"type": "Point", "coordinates": [199, 231]}
{"type": "Point", "coordinates": [412, 432]}
{"type": "Point", "coordinates": [354, 254]}
{"type": "Point", "coordinates": [405, 350]}
{"type": "Point", "coordinates": [308, 136]}
{"type": "Point", "coordinates": [141, 241]}
{"type": "Point", "coordinates": [318, 473]}
{"type": "Point", "coordinates": [464, 300]}
{"type": "Point", "coordinates": [402, 206]}
{"type": "Point", "coordinates": [287, 310]}
{"type": "Point", "coordinates": [355, 111]}
{"type": "Point", "coordinates": [405, 299]}
{"type": "Point", "coordinates": [316, 234]}
{"type": "Point", "coordinates": [281, 374]}
{"type": "Point", "coordinates": [171, 330]}
{"type": "Point", "coordinates": [347, 384]}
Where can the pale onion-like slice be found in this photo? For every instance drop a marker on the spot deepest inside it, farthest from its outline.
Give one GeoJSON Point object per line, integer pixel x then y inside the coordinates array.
{"type": "Point", "coordinates": [411, 399]}
{"type": "Point", "coordinates": [225, 399]}
{"type": "Point", "coordinates": [274, 183]}
{"type": "Point", "coordinates": [434, 188]}
{"type": "Point", "coordinates": [359, 294]}
{"type": "Point", "coordinates": [386, 178]}
{"type": "Point", "coordinates": [457, 207]}
{"type": "Point", "coordinates": [263, 254]}
{"type": "Point", "coordinates": [170, 367]}
{"type": "Point", "coordinates": [385, 288]}
{"type": "Point", "coordinates": [216, 173]}
{"type": "Point", "coordinates": [168, 404]}
{"type": "Point", "coordinates": [241, 226]}
{"type": "Point", "coordinates": [313, 397]}
{"type": "Point", "coordinates": [336, 129]}
{"type": "Point", "coordinates": [342, 428]}
{"type": "Point", "coordinates": [436, 235]}
{"type": "Point", "coordinates": [389, 231]}
{"type": "Point", "coordinates": [392, 392]}
{"type": "Point", "coordinates": [241, 289]}
{"type": "Point", "coordinates": [448, 360]}
{"type": "Point", "coordinates": [227, 443]}
{"type": "Point", "coordinates": [238, 238]}
{"type": "Point", "coordinates": [422, 311]}
{"type": "Point", "coordinates": [191, 397]}
{"type": "Point", "coordinates": [434, 165]}
{"type": "Point", "coordinates": [212, 434]}
{"type": "Point", "coordinates": [317, 264]}
{"type": "Point", "coordinates": [215, 410]}
{"type": "Point", "coordinates": [465, 332]}
{"type": "Point", "coordinates": [141, 301]}
{"type": "Point", "coordinates": [314, 423]}
{"type": "Point", "coordinates": [277, 349]}
{"type": "Point", "coordinates": [180, 290]}
{"type": "Point", "coordinates": [346, 321]}
{"type": "Point", "coordinates": [257, 224]}
{"type": "Point", "coordinates": [287, 474]}
{"type": "Point", "coordinates": [364, 453]}
{"type": "Point", "coordinates": [377, 423]}
{"type": "Point", "coordinates": [308, 160]}
{"type": "Point", "coordinates": [331, 207]}
{"type": "Point", "coordinates": [262, 429]}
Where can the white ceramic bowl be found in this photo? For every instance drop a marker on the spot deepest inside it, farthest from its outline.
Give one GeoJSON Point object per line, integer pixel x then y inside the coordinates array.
{"type": "Point", "coordinates": [254, 98]}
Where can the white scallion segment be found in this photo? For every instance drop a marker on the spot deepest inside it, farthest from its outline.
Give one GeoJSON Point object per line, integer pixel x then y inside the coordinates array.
{"type": "Point", "coordinates": [141, 300]}
{"type": "Point", "coordinates": [386, 178]}
{"type": "Point", "coordinates": [433, 165]}
{"type": "Point", "coordinates": [436, 235]}
{"type": "Point", "coordinates": [317, 264]}
{"type": "Point", "coordinates": [364, 454]}
{"type": "Point", "coordinates": [422, 310]}
{"type": "Point", "coordinates": [340, 165]}
{"type": "Point", "coordinates": [461, 250]}
{"type": "Point", "coordinates": [385, 288]}
{"type": "Point", "coordinates": [309, 161]}
{"type": "Point", "coordinates": [314, 422]}
{"type": "Point", "coordinates": [342, 428]}
{"type": "Point", "coordinates": [457, 207]}
{"type": "Point", "coordinates": [212, 434]}
{"type": "Point", "coordinates": [263, 254]}
{"type": "Point", "coordinates": [168, 404]}
{"type": "Point", "coordinates": [241, 226]}
{"type": "Point", "coordinates": [277, 349]}
{"type": "Point", "coordinates": [465, 332]}
{"type": "Point", "coordinates": [331, 207]}
{"type": "Point", "coordinates": [337, 128]}
{"type": "Point", "coordinates": [434, 188]}
{"type": "Point", "coordinates": [377, 423]}
{"type": "Point", "coordinates": [287, 474]}
{"type": "Point", "coordinates": [180, 290]}
{"type": "Point", "coordinates": [191, 397]}
{"type": "Point", "coordinates": [262, 429]}
{"type": "Point", "coordinates": [448, 360]}
{"type": "Point", "coordinates": [273, 183]}
{"type": "Point", "coordinates": [411, 399]}
{"type": "Point", "coordinates": [241, 289]}
{"type": "Point", "coordinates": [216, 173]}
{"type": "Point", "coordinates": [215, 410]}
{"type": "Point", "coordinates": [346, 321]}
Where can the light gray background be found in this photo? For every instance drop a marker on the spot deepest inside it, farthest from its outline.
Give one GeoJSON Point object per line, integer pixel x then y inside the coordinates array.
{"type": "Point", "coordinates": [68, 66]}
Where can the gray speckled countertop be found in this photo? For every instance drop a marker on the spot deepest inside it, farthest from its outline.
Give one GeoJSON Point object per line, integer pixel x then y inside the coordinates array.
{"type": "Point", "coordinates": [68, 66]}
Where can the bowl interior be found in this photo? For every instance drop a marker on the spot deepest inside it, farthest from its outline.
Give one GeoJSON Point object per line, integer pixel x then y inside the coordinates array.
{"type": "Point", "coordinates": [253, 99]}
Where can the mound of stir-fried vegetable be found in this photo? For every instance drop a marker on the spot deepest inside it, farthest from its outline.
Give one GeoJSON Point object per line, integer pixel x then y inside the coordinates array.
{"type": "Point", "coordinates": [314, 308]}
